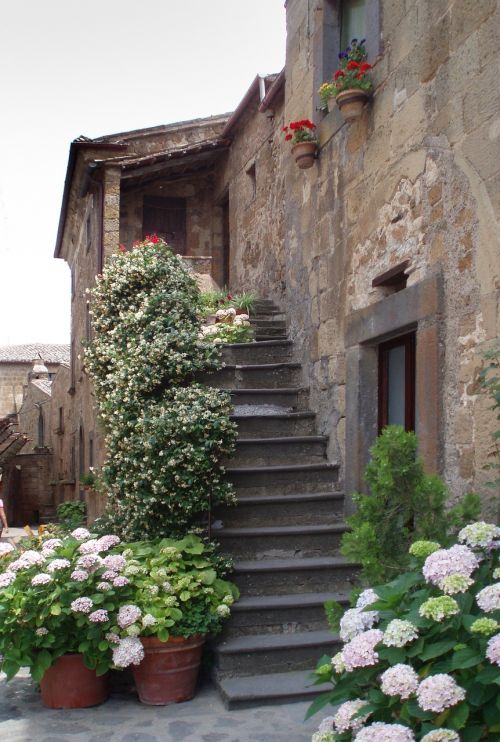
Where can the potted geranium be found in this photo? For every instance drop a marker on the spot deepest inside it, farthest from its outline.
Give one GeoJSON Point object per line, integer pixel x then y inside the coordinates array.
{"type": "Point", "coordinates": [304, 141]}
{"type": "Point", "coordinates": [352, 85]}
{"type": "Point", "coordinates": [175, 598]}
{"type": "Point", "coordinates": [56, 603]}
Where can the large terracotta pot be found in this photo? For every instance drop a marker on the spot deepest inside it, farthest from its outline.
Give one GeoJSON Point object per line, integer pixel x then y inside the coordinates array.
{"type": "Point", "coordinates": [351, 103]}
{"type": "Point", "coordinates": [169, 670]}
{"type": "Point", "coordinates": [68, 684]}
{"type": "Point", "coordinates": [305, 154]}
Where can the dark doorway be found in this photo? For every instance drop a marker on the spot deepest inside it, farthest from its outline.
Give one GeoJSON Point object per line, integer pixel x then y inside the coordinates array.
{"type": "Point", "coordinates": [396, 382]}
{"type": "Point", "coordinates": [225, 242]}
{"type": "Point", "coordinates": [166, 217]}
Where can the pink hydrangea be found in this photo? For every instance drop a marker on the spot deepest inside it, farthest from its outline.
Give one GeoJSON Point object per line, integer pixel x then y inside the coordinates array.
{"type": "Point", "coordinates": [120, 581]}
{"type": "Point", "coordinates": [343, 719]}
{"type": "Point", "coordinates": [99, 616]}
{"type": "Point", "coordinates": [360, 651]}
{"type": "Point", "coordinates": [58, 564]}
{"type": "Point", "coordinates": [488, 599]}
{"type": "Point", "coordinates": [90, 547]}
{"type": "Point", "coordinates": [109, 575]}
{"type": "Point", "coordinates": [107, 542]}
{"type": "Point", "coordinates": [128, 614]}
{"type": "Point", "coordinates": [27, 559]}
{"type": "Point", "coordinates": [114, 562]}
{"type": "Point", "coordinates": [7, 578]}
{"type": "Point", "coordinates": [128, 652]}
{"type": "Point", "coordinates": [439, 692]}
{"type": "Point", "coordinates": [81, 534]}
{"type": "Point", "coordinates": [51, 544]}
{"type": "Point", "coordinates": [493, 649]}
{"type": "Point", "coordinates": [41, 579]}
{"type": "Point", "coordinates": [90, 562]}
{"type": "Point", "coordinates": [104, 586]}
{"type": "Point", "coordinates": [380, 732]}
{"type": "Point", "coordinates": [5, 548]}
{"type": "Point", "coordinates": [458, 560]}
{"type": "Point", "coordinates": [82, 605]}
{"type": "Point", "coordinates": [112, 638]}
{"type": "Point", "coordinates": [399, 680]}
{"type": "Point", "coordinates": [79, 575]}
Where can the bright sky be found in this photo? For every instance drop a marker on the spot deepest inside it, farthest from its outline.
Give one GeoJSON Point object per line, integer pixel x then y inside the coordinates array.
{"type": "Point", "coordinates": [94, 67]}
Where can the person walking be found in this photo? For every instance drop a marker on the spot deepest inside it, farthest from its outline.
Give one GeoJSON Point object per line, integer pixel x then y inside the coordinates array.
{"type": "Point", "coordinates": [3, 517]}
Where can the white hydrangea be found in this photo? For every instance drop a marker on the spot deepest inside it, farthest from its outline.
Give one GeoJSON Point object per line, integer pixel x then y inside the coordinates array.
{"type": "Point", "coordinates": [7, 578]}
{"type": "Point", "coordinates": [399, 633]}
{"type": "Point", "coordinates": [338, 663]}
{"type": "Point", "coordinates": [148, 620]}
{"type": "Point", "coordinates": [343, 719]}
{"type": "Point", "coordinates": [81, 534]}
{"type": "Point", "coordinates": [399, 680]}
{"type": "Point", "coordinates": [493, 650]}
{"type": "Point", "coordinates": [488, 599]}
{"type": "Point", "coordinates": [367, 597]}
{"type": "Point", "coordinates": [479, 535]}
{"type": "Point", "coordinates": [441, 735]}
{"type": "Point", "coordinates": [128, 652]}
{"type": "Point", "coordinates": [5, 548]}
{"type": "Point", "coordinates": [380, 732]}
{"type": "Point", "coordinates": [127, 615]}
{"type": "Point", "coordinates": [439, 692]}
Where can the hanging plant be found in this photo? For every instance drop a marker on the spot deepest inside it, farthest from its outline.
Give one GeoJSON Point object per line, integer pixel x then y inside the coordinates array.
{"type": "Point", "coordinates": [304, 142]}
{"type": "Point", "coordinates": [351, 85]}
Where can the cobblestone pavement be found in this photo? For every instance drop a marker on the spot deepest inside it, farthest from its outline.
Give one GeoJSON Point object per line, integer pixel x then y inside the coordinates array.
{"type": "Point", "coordinates": [204, 719]}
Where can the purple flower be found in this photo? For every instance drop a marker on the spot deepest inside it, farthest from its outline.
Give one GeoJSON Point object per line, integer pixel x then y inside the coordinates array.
{"type": "Point", "coordinates": [99, 616]}
{"type": "Point", "coordinates": [82, 605]}
{"type": "Point", "coordinates": [79, 575]}
{"type": "Point", "coordinates": [120, 581]}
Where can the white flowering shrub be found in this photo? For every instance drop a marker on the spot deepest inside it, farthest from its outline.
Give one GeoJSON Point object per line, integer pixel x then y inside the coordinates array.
{"type": "Point", "coordinates": [421, 655]}
{"type": "Point", "coordinates": [165, 434]}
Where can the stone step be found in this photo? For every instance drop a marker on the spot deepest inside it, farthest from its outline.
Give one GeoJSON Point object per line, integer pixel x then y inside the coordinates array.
{"type": "Point", "coordinates": [291, 399]}
{"type": "Point", "coordinates": [280, 542]}
{"type": "Point", "coordinates": [270, 653]}
{"type": "Point", "coordinates": [284, 510]}
{"type": "Point", "coordinates": [267, 313]}
{"type": "Point", "coordinates": [267, 322]}
{"type": "Point", "coordinates": [264, 351]}
{"type": "Point", "coordinates": [263, 334]}
{"type": "Point", "coordinates": [274, 423]}
{"type": "Point", "coordinates": [275, 614]}
{"type": "Point", "coordinates": [293, 576]}
{"type": "Point", "coordinates": [267, 451]}
{"type": "Point", "coordinates": [255, 376]}
{"type": "Point", "coordinates": [265, 305]}
{"type": "Point", "coordinates": [261, 690]}
{"type": "Point", "coordinates": [286, 480]}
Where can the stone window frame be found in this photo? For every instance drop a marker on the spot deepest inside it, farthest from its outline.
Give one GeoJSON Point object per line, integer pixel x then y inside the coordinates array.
{"type": "Point", "coordinates": [417, 308]}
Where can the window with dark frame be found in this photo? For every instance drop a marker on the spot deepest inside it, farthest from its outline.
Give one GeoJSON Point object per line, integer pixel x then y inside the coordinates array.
{"type": "Point", "coordinates": [396, 382]}
{"type": "Point", "coordinates": [352, 21]}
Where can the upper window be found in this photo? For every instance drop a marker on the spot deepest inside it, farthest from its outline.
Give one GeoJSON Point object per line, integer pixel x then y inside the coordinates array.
{"type": "Point", "coordinates": [397, 382]}
{"type": "Point", "coordinates": [352, 22]}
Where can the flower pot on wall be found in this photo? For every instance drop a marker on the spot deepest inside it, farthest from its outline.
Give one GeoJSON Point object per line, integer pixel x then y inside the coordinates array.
{"type": "Point", "coordinates": [304, 153]}
{"type": "Point", "coordinates": [351, 103]}
{"type": "Point", "coordinates": [68, 684]}
{"type": "Point", "coordinates": [169, 670]}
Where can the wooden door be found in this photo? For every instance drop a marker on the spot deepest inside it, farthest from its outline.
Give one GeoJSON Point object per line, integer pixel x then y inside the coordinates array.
{"type": "Point", "coordinates": [166, 217]}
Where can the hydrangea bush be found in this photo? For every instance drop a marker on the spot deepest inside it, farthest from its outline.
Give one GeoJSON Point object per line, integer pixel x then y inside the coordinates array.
{"type": "Point", "coordinates": [421, 655]}
{"type": "Point", "coordinates": [165, 434]}
{"type": "Point", "coordinates": [96, 596]}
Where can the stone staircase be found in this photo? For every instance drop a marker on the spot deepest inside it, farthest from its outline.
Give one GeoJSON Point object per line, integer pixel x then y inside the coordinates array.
{"type": "Point", "coordinates": [284, 533]}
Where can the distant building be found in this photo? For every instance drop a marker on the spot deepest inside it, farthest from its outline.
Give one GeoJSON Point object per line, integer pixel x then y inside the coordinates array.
{"type": "Point", "coordinates": [16, 362]}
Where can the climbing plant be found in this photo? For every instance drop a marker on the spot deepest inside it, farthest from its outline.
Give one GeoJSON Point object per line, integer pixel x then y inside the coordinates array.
{"type": "Point", "coordinates": [165, 433]}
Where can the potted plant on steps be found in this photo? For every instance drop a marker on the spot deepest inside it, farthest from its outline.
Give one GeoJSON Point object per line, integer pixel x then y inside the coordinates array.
{"type": "Point", "coordinates": [244, 303]}
{"type": "Point", "coordinates": [302, 135]}
{"type": "Point", "coordinates": [351, 86]}
{"type": "Point", "coordinates": [176, 599]}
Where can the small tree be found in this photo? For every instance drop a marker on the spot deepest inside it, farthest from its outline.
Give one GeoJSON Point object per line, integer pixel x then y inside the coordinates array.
{"type": "Point", "coordinates": [165, 434]}
{"type": "Point", "coordinates": [404, 504]}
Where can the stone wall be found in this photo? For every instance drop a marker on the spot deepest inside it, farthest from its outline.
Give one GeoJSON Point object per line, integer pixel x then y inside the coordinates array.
{"type": "Point", "coordinates": [415, 179]}
{"type": "Point", "coordinates": [13, 377]}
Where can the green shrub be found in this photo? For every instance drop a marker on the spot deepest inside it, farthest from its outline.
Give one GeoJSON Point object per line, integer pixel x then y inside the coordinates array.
{"type": "Point", "coordinates": [403, 504]}
{"type": "Point", "coordinates": [71, 514]}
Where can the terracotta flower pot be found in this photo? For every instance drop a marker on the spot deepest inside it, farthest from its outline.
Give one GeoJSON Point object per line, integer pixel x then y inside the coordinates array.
{"type": "Point", "coordinates": [351, 103]}
{"type": "Point", "coordinates": [68, 684]}
{"type": "Point", "coordinates": [304, 153]}
{"type": "Point", "coordinates": [242, 311]}
{"type": "Point", "coordinates": [169, 670]}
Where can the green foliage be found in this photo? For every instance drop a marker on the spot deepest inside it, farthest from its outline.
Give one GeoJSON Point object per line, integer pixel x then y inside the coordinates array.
{"type": "Point", "coordinates": [244, 300]}
{"type": "Point", "coordinates": [71, 514]}
{"type": "Point", "coordinates": [459, 646]}
{"type": "Point", "coordinates": [404, 504]}
{"type": "Point", "coordinates": [88, 479]}
{"type": "Point", "coordinates": [211, 301]}
{"type": "Point", "coordinates": [489, 378]}
{"type": "Point", "coordinates": [165, 434]}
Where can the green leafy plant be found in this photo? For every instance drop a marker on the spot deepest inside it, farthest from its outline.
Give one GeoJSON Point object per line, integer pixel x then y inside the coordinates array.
{"type": "Point", "coordinates": [165, 434]}
{"type": "Point", "coordinates": [245, 301]}
{"type": "Point", "coordinates": [404, 503]}
{"type": "Point", "coordinates": [211, 301]}
{"type": "Point", "coordinates": [71, 514]}
{"type": "Point", "coordinates": [421, 654]}
{"type": "Point", "coordinates": [489, 377]}
{"type": "Point", "coordinates": [88, 479]}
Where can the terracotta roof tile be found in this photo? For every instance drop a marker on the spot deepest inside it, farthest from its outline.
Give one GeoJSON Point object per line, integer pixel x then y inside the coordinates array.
{"type": "Point", "coordinates": [50, 353]}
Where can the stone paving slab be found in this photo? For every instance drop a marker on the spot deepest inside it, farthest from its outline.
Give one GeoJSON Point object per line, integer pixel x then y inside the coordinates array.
{"type": "Point", "coordinates": [204, 719]}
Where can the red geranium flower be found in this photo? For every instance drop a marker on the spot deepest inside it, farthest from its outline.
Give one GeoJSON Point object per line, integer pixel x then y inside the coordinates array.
{"type": "Point", "coordinates": [152, 238]}
{"type": "Point", "coordinates": [122, 247]}
{"type": "Point", "coordinates": [284, 128]}
{"type": "Point", "coordinates": [365, 66]}
{"type": "Point", "coordinates": [288, 137]}
{"type": "Point", "coordinates": [339, 73]}
{"type": "Point", "coordinates": [352, 65]}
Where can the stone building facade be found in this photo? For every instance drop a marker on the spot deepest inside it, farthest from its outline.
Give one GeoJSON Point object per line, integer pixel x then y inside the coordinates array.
{"type": "Point", "coordinates": [384, 255]}
{"type": "Point", "coordinates": [16, 362]}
